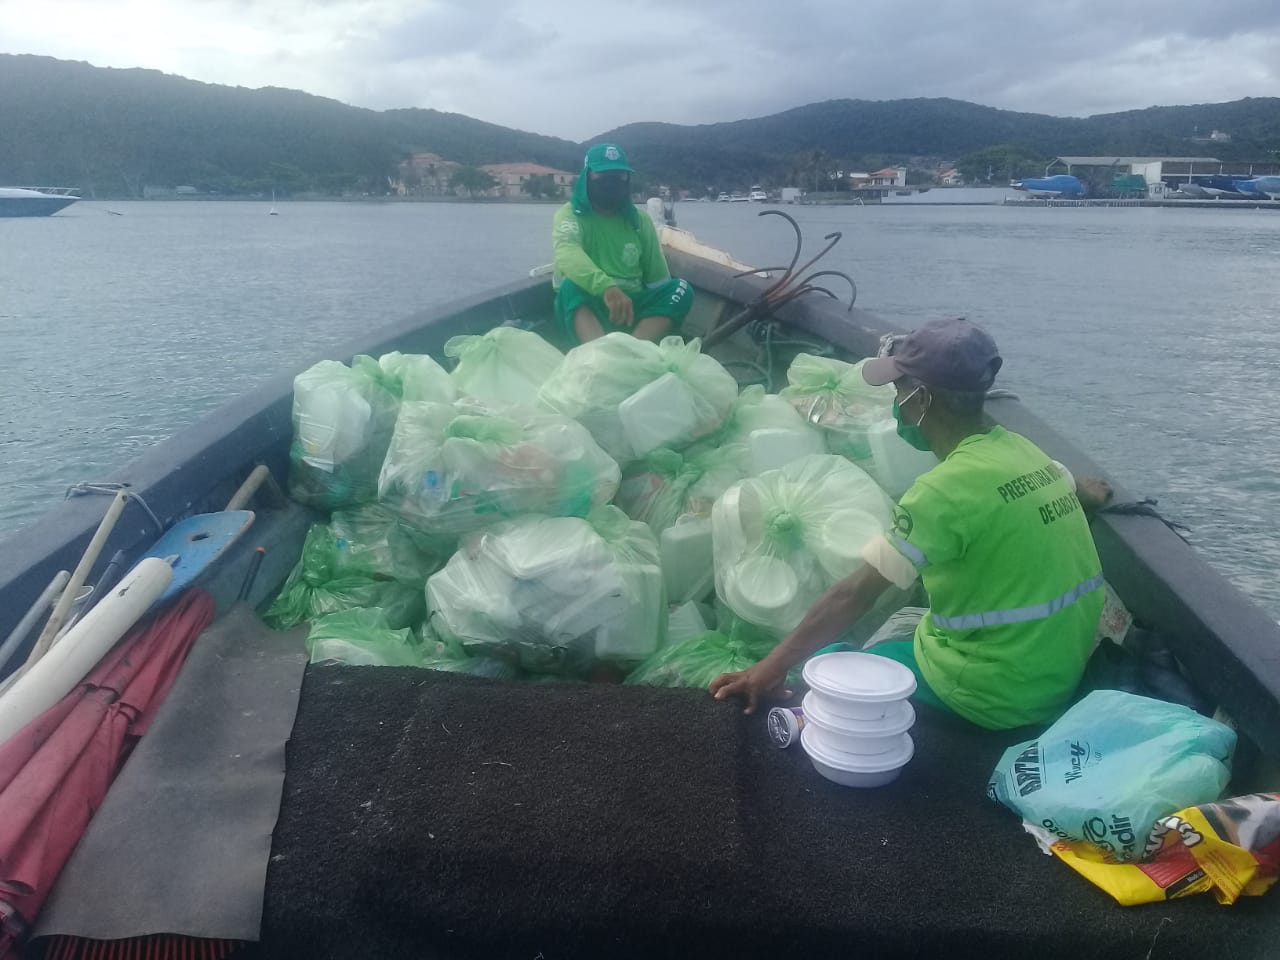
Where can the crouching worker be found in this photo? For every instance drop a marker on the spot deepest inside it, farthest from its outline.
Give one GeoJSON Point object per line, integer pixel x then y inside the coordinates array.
{"type": "Point", "coordinates": [610, 273]}
{"type": "Point", "coordinates": [997, 532]}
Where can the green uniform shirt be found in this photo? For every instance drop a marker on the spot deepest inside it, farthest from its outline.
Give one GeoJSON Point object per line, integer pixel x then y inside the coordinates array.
{"type": "Point", "coordinates": [598, 252]}
{"type": "Point", "coordinates": [1014, 581]}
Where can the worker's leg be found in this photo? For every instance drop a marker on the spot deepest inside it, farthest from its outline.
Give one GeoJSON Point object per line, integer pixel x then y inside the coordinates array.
{"type": "Point", "coordinates": [585, 325]}
{"type": "Point", "coordinates": [651, 328]}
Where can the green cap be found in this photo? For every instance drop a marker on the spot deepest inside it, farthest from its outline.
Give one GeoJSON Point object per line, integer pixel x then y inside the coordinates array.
{"type": "Point", "coordinates": [606, 156]}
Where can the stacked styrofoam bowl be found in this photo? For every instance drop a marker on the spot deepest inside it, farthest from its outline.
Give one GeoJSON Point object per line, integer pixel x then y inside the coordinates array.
{"type": "Point", "coordinates": [857, 717]}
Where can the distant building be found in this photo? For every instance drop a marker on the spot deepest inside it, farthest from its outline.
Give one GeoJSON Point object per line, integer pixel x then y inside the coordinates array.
{"type": "Point", "coordinates": [889, 177]}
{"type": "Point", "coordinates": [950, 178]}
{"type": "Point", "coordinates": [512, 177]}
{"type": "Point", "coordinates": [424, 174]}
{"type": "Point", "coordinates": [791, 194]}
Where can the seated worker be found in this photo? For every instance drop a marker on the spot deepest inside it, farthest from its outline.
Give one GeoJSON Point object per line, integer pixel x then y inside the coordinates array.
{"type": "Point", "coordinates": [610, 273]}
{"type": "Point", "coordinates": [997, 532]}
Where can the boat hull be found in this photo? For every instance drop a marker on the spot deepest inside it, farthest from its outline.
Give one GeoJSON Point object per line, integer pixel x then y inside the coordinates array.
{"type": "Point", "coordinates": [33, 206]}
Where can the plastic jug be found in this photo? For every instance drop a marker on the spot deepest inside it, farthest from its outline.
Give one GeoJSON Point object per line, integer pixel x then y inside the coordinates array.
{"type": "Point", "coordinates": [688, 564]}
{"type": "Point", "coordinates": [895, 464]}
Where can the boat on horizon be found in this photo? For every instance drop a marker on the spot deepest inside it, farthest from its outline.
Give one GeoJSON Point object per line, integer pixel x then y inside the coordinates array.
{"type": "Point", "coordinates": [637, 822]}
{"type": "Point", "coordinates": [35, 201]}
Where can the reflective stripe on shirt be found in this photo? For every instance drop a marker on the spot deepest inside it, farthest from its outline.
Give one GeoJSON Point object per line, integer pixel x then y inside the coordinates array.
{"type": "Point", "coordinates": [911, 551]}
{"type": "Point", "coordinates": [1038, 611]}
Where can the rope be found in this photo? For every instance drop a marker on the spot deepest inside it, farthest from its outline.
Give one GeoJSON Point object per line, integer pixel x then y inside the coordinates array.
{"type": "Point", "coordinates": [1146, 507]}
{"type": "Point", "coordinates": [85, 488]}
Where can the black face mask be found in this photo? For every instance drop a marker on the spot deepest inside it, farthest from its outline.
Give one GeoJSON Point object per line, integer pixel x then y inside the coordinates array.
{"type": "Point", "coordinates": [608, 193]}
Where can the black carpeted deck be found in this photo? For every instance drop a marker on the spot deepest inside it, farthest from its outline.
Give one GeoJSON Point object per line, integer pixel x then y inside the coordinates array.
{"type": "Point", "coordinates": [436, 815]}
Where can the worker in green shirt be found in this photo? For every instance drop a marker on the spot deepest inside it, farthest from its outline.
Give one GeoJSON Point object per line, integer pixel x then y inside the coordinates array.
{"type": "Point", "coordinates": [997, 531]}
{"type": "Point", "coordinates": [610, 273]}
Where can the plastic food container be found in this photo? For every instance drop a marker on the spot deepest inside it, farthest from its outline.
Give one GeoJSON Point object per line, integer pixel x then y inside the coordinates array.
{"type": "Point", "coordinates": [856, 771]}
{"type": "Point", "coordinates": [762, 589]}
{"type": "Point", "coordinates": [857, 686]}
{"type": "Point", "coordinates": [861, 737]}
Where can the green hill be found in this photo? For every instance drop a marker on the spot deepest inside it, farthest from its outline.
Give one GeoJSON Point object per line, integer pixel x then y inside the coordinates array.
{"type": "Point", "coordinates": [113, 132]}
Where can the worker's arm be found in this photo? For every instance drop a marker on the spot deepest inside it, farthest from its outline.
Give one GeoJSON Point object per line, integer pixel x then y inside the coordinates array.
{"type": "Point", "coordinates": [571, 259]}
{"type": "Point", "coordinates": [836, 610]}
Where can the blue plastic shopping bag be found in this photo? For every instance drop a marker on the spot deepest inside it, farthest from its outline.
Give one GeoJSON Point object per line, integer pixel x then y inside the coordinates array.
{"type": "Point", "coordinates": [1111, 766]}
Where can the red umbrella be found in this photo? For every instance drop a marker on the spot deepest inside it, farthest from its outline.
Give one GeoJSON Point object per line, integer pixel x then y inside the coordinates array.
{"type": "Point", "coordinates": [55, 772]}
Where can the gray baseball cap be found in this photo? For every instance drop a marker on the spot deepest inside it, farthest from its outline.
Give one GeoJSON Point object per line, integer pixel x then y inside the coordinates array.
{"type": "Point", "coordinates": [952, 354]}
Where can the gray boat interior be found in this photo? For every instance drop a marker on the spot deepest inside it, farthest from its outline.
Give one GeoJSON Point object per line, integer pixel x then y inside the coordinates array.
{"type": "Point", "coordinates": [1224, 645]}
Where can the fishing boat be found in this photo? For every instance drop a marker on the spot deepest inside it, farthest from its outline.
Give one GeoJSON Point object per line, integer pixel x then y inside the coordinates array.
{"type": "Point", "coordinates": [428, 814]}
{"type": "Point", "coordinates": [34, 201]}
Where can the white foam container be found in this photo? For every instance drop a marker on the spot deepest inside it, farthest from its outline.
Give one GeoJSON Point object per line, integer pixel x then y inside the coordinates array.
{"type": "Point", "coordinates": [688, 562]}
{"type": "Point", "coordinates": [761, 589]}
{"type": "Point", "coordinates": [857, 686]}
{"type": "Point", "coordinates": [773, 448]}
{"type": "Point", "coordinates": [849, 770]}
{"type": "Point", "coordinates": [860, 737]}
{"type": "Point", "coordinates": [660, 414]}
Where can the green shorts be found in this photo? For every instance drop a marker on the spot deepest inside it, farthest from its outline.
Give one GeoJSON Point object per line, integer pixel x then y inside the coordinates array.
{"type": "Point", "coordinates": [669, 298]}
{"type": "Point", "coordinates": [902, 651]}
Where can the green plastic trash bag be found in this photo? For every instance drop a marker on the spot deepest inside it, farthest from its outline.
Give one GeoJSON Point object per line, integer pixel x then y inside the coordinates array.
{"type": "Point", "coordinates": [636, 396]}
{"type": "Point", "coordinates": [506, 366]}
{"type": "Point", "coordinates": [781, 539]}
{"type": "Point", "coordinates": [666, 486]}
{"type": "Point", "coordinates": [1111, 766]}
{"type": "Point", "coordinates": [330, 577]}
{"type": "Point", "coordinates": [372, 541]}
{"type": "Point", "coordinates": [416, 377]}
{"type": "Point", "coordinates": [451, 658]}
{"type": "Point", "coordinates": [780, 433]}
{"type": "Point", "coordinates": [454, 468]}
{"type": "Point", "coordinates": [361, 638]}
{"type": "Point", "coordinates": [831, 395]}
{"type": "Point", "coordinates": [554, 594]}
{"type": "Point", "coordinates": [697, 661]}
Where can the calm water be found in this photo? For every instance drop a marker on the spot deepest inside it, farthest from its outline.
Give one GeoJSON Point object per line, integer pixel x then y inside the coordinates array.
{"type": "Point", "coordinates": [1151, 337]}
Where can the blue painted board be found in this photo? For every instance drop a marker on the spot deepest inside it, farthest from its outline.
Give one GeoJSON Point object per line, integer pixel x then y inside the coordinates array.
{"type": "Point", "coordinates": [198, 542]}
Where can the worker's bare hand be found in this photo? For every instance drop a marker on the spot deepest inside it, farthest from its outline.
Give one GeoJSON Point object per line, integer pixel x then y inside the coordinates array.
{"type": "Point", "coordinates": [621, 309]}
{"type": "Point", "coordinates": [763, 681]}
{"type": "Point", "coordinates": [1093, 492]}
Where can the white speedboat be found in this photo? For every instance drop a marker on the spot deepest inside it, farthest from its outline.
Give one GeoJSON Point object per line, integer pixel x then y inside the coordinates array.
{"type": "Point", "coordinates": [757, 195]}
{"type": "Point", "coordinates": [25, 202]}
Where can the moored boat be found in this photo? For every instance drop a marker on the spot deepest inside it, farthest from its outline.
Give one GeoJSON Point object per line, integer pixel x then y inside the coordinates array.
{"type": "Point", "coordinates": [449, 816]}
{"type": "Point", "coordinates": [38, 202]}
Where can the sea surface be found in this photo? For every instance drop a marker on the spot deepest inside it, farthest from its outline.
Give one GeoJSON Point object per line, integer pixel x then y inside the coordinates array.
{"type": "Point", "coordinates": [1150, 337]}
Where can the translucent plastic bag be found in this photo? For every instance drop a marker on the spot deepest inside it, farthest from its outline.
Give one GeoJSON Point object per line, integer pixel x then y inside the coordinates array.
{"type": "Point", "coordinates": [832, 395]}
{"type": "Point", "coordinates": [763, 432]}
{"type": "Point", "coordinates": [783, 538]}
{"type": "Point", "coordinates": [416, 377]}
{"type": "Point", "coordinates": [329, 577]}
{"type": "Point", "coordinates": [372, 541]}
{"type": "Point", "coordinates": [342, 422]}
{"type": "Point", "coordinates": [451, 658]}
{"type": "Point", "coordinates": [697, 661]}
{"type": "Point", "coordinates": [635, 396]}
{"type": "Point", "coordinates": [361, 638]}
{"type": "Point", "coordinates": [1111, 766]}
{"type": "Point", "coordinates": [666, 486]}
{"type": "Point", "coordinates": [507, 365]}
{"type": "Point", "coordinates": [554, 594]}
{"type": "Point", "coordinates": [454, 468]}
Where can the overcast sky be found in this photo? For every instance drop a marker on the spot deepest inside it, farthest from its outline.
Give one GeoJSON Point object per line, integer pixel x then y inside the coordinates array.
{"type": "Point", "coordinates": [575, 68]}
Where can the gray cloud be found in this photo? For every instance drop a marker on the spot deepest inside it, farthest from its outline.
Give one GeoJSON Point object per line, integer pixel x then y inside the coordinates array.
{"type": "Point", "coordinates": [578, 67]}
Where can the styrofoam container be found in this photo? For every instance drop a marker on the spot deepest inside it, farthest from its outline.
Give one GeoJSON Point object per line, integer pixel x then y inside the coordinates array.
{"type": "Point", "coordinates": [761, 589]}
{"type": "Point", "coordinates": [850, 770]}
{"type": "Point", "coordinates": [659, 414]}
{"type": "Point", "coordinates": [857, 686]}
{"type": "Point", "coordinates": [860, 737]}
{"type": "Point", "coordinates": [842, 538]}
{"type": "Point", "coordinates": [773, 448]}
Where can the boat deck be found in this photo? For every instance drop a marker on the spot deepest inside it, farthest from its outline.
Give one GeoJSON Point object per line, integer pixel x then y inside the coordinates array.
{"type": "Point", "coordinates": [434, 815]}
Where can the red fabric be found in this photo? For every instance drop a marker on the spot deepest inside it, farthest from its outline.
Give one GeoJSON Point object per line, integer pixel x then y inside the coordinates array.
{"type": "Point", "coordinates": [55, 772]}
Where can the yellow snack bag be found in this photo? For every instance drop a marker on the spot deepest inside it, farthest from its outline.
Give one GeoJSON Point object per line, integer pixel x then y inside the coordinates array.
{"type": "Point", "coordinates": [1231, 847]}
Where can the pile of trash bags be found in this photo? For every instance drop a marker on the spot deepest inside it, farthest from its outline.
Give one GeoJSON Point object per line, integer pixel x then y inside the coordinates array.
{"type": "Point", "coordinates": [622, 508]}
